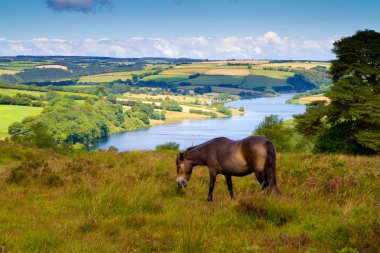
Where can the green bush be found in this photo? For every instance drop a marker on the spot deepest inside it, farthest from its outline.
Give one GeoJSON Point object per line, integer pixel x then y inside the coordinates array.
{"type": "Point", "coordinates": [284, 136]}
{"type": "Point", "coordinates": [168, 146]}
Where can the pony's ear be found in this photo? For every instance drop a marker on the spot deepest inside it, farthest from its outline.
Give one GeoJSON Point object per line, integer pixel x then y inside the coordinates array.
{"type": "Point", "coordinates": [181, 156]}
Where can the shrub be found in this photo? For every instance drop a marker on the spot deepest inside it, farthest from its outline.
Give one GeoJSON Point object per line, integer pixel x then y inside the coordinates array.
{"type": "Point", "coordinates": [168, 146]}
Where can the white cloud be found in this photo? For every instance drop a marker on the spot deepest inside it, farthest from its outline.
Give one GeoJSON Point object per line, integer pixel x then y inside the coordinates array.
{"type": "Point", "coordinates": [268, 46]}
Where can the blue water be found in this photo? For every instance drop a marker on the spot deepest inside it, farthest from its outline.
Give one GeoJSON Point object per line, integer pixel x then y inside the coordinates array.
{"type": "Point", "coordinates": [192, 132]}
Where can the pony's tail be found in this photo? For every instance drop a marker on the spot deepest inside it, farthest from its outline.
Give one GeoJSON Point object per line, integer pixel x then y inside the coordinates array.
{"type": "Point", "coordinates": [270, 166]}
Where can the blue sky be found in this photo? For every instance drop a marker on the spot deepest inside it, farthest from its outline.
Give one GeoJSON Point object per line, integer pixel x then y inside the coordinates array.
{"type": "Point", "coordinates": [188, 28]}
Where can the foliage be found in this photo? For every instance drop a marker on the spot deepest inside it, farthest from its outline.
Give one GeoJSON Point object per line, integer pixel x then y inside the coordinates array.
{"type": "Point", "coordinates": [283, 136]}
{"type": "Point", "coordinates": [224, 110]}
{"type": "Point", "coordinates": [168, 146]}
{"type": "Point", "coordinates": [211, 114]}
{"type": "Point", "coordinates": [67, 122]}
{"type": "Point", "coordinates": [171, 105]}
{"type": "Point", "coordinates": [355, 97]}
{"type": "Point", "coordinates": [21, 99]}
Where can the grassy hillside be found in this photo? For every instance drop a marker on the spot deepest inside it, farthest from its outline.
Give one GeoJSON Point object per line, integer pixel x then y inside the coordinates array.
{"type": "Point", "coordinates": [13, 113]}
{"type": "Point", "coordinates": [128, 202]}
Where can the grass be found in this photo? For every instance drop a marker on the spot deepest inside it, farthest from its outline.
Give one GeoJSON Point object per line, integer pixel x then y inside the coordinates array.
{"type": "Point", "coordinates": [216, 80]}
{"type": "Point", "coordinates": [167, 78]}
{"type": "Point", "coordinates": [128, 202]}
{"type": "Point", "coordinates": [7, 72]}
{"type": "Point", "coordinates": [266, 78]}
{"type": "Point", "coordinates": [13, 113]}
{"type": "Point", "coordinates": [306, 65]}
{"type": "Point", "coordinates": [12, 92]}
{"type": "Point", "coordinates": [109, 77]}
{"type": "Point", "coordinates": [20, 65]}
{"type": "Point", "coordinates": [308, 99]}
{"type": "Point", "coordinates": [184, 71]}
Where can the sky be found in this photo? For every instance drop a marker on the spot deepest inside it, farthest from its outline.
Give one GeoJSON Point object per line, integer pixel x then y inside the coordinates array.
{"type": "Point", "coordinates": [208, 29]}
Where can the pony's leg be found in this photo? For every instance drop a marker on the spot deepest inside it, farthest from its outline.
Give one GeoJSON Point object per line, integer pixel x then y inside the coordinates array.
{"type": "Point", "coordinates": [260, 176]}
{"type": "Point", "coordinates": [229, 185]}
{"type": "Point", "coordinates": [212, 184]}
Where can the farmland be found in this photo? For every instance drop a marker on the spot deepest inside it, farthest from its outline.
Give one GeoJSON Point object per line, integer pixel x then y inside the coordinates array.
{"type": "Point", "coordinates": [169, 78]}
{"type": "Point", "coordinates": [305, 65]}
{"type": "Point", "coordinates": [12, 92]}
{"type": "Point", "coordinates": [109, 77]}
{"type": "Point", "coordinates": [128, 202]}
{"type": "Point", "coordinates": [13, 113]}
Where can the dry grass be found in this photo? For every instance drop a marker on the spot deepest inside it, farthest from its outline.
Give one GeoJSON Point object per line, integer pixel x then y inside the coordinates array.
{"type": "Point", "coordinates": [182, 71]}
{"type": "Point", "coordinates": [109, 77]}
{"type": "Point", "coordinates": [309, 99]}
{"type": "Point", "coordinates": [228, 72]}
{"type": "Point", "coordinates": [128, 202]}
{"type": "Point", "coordinates": [305, 65]}
{"type": "Point", "coordinates": [51, 67]}
{"type": "Point", "coordinates": [8, 72]}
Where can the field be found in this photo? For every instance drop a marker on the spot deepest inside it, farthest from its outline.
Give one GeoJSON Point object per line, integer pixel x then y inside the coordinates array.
{"type": "Point", "coordinates": [128, 202]}
{"type": "Point", "coordinates": [228, 72]}
{"type": "Point", "coordinates": [184, 71]}
{"type": "Point", "coordinates": [19, 65]}
{"type": "Point", "coordinates": [7, 72]}
{"type": "Point", "coordinates": [308, 99]}
{"type": "Point", "coordinates": [305, 65]}
{"type": "Point", "coordinates": [169, 78]}
{"type": "Point", "coordinates": [216, 80]}
{"type": "Point", "coordinates": [109, 77]}
{"type": "Point", "coordinates": [13, 113]}
{"type": "Point", "coordinates": [12, 92]}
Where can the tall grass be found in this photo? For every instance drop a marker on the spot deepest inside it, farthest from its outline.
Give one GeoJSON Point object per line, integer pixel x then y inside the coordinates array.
{"type": "Point", "coordinates": [128, 202]}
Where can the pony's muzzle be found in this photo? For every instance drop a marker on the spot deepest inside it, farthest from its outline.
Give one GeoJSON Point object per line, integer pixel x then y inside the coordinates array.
{"type": "Point", "coordinates": [181, 182]}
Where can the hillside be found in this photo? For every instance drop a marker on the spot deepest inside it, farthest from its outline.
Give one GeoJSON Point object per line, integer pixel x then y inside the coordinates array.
{"type": "Point", "coordinates": [128, 202]}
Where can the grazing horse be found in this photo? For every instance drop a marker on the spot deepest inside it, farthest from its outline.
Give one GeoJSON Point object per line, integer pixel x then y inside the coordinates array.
{"type": "Point", "coordinates": [255, 154]}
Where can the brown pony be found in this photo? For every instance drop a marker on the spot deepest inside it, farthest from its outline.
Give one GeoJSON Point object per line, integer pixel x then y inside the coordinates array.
{"type": "Point", "coordinates": [230, 158]}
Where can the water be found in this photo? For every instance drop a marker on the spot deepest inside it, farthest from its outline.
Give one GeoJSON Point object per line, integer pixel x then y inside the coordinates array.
{"type": "Point", "coordinates": [192, 132]}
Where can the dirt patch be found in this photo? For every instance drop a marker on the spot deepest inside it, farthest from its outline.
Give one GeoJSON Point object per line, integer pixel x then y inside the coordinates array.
{"type": "Point", "coordinates": [51, 67]}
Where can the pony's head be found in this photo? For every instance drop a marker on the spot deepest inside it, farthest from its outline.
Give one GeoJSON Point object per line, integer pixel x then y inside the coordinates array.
{"type": "Point", "coordinates": [184, 169]}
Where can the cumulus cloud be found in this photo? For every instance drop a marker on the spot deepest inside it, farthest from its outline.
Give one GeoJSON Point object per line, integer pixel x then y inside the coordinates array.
{"type": "Point", "coordinates": [267, 46]}
{"type": "Point", "coordinates": [85, 6]}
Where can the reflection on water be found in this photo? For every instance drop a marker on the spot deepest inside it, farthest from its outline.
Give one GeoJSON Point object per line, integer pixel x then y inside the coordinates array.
{"type": "Point", "coordinates": [192, 132]}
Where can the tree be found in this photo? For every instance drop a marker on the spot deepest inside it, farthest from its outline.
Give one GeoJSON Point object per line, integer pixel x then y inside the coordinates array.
{"type": "Point", "coordinates": [353, 116]}
{"type": "Point", "coordinates": [282, 134]}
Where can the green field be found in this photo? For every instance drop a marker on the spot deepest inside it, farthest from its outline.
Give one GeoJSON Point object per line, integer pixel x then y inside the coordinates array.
{"type": "Point", "coordinates": [12, 92]}
{"type": "Point", "coordinates": [167, 78]}
{"type": "Point", "coordinates": [129, 202]}
{"type": "Point", "coordinates": [216, 80]}
{"type": "Point", "coordinates": [109, 77]}
{"type": "Point", "coordinates": [20, 65]}
{"type": "Point", "coordinates": [7, 72]}
{"type": "Point", "coordinates": [13, 113]}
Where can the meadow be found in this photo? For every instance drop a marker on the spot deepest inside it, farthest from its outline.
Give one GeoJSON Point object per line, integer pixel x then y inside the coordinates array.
{"type": "Point", "coordinates": [12, 92]}
{"type": "Point", "coordinates": [109, 77]}
{"type": "Point", "coordinates": [302, 65]}
{"type": "Point", "coordinates": [168, 78]}
{"type": "Point", "coordinates": [129, 202]}
{"type": "Point", "coordinates": [216, 80]}
{"type": "Point", "coordinates": [20, 65]}
{"type": "Point", "coordinates": [7, 72]}
{"type": "Point", "coordinates": [13, 113]}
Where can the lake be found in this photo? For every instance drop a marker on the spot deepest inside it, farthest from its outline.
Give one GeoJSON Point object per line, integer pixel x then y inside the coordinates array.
{"type": "Point", "coordinates": [192, 132]}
